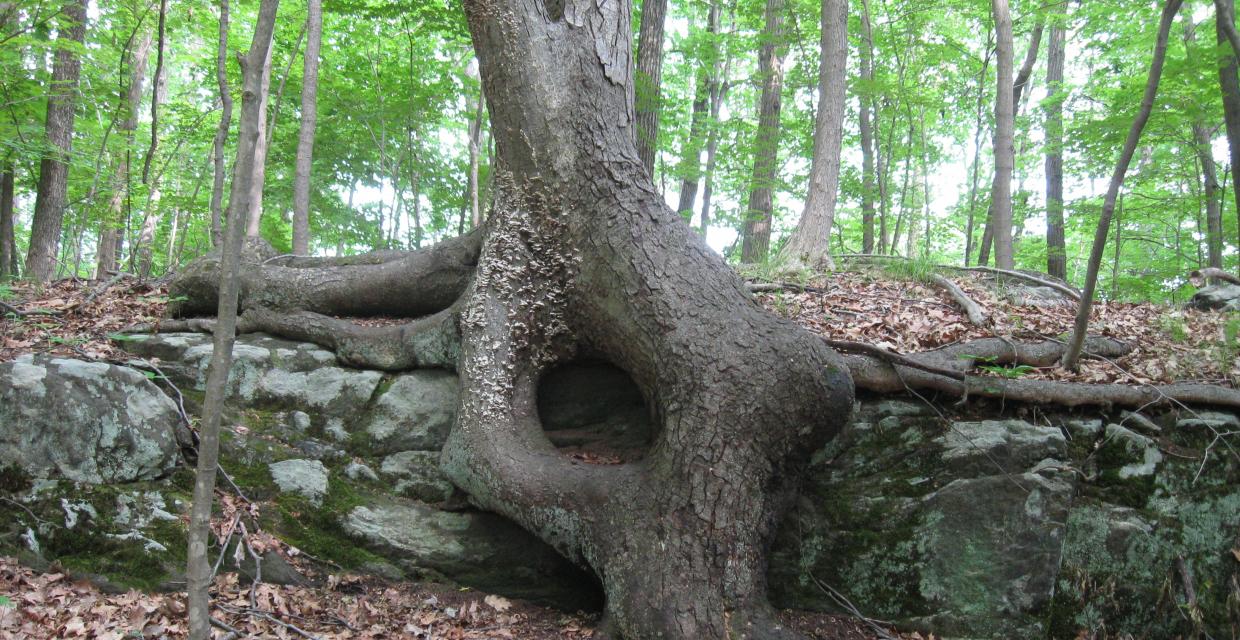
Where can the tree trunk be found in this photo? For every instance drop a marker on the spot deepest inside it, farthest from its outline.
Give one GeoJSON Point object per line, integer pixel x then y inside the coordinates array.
{"type": "Point", "coordinates": [52, 194]}
{"type": "Point", "coordinates": [649, 79]}
{"type": "Point", "coordinates": [475, 159]}
{"type": "Point", "coordinates": [255, 197]}
{"type": "Point", "coordinates": [1229, 85]}
{"type": "Point", "coordinates": [1004, 149]}
{"type": "Point", "coordinates": [221, 132]}
{"type": "Point", "coordinates": [741, 398]}
{"type": "Point", "coordinates": [142, 250]}
{"type": "Point", "coordinates": [1072, 356]}
{"type": "Point", "coordinates": [756, 234]}
{"type": "Point", "coordinates": [110, 238]}
{"type": "Point", "coordinates": [1209, 174]}
{"type": "Point", "coordinates": [717, 88]}
{"type": "Point", "coordinates": [977, 150]}
{"type": "Point", "coordinates": [198, 576]}
{"type": "Point", "coordinates": [305, 140]}
{"type": "Point", "coordinates": [810, 243]}
{"type": "Point", "coordinates": [8, 241]}
{"type": "Point", "coordinates": [867, 134]}
{"type": "Point", "coordinates": [691, 160]}
{"type": "Point", "coordinates": [1056, 248]}
{"type": "Point", "coordinates": [157, 92]}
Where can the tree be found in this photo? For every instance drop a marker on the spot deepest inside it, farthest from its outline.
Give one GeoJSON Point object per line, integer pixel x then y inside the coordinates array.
{"type": "Point", "coordinates": [221, 132]}
{"type": "Point", "coordinates": [305, 140]}
{"type": "Point", "coordinates": [255, 198]}
{"type": "Point", "coordinates": [649, 79]}
{"type": "Point", "coordinates": [581, 257]}
{"type": "Point", "coordinates": [1229, 86]}
{"type": "Point", "coordinates": [756, 232]}
{"type": "Point", "coordinates": [198, 571]}
{"type": "Point", "coordinates": [1072, 355]}
{"type": "Point", "coordinates": [1209, 175]}
{"type": "Point", "coordinates": [52, 194]}
{"type": "Point", "coordinates": [8, 242]}
{"type": "Point", "coordinates": [810, 243]}
{"type": "Point", "coordinates": [1056, 247]}
{"type": "Point", "coordinates": [1000, 223]}
{"type": "Point", "coordinates": [868, 178]}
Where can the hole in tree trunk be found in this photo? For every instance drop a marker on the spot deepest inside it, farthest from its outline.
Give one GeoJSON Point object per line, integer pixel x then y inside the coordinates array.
{"type": "Point", "coordinates": [594, 412]}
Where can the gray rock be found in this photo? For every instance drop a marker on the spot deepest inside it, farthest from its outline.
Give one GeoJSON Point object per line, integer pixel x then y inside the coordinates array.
{"type": "Point", "coordinates": [1209, 420]}
{"type": "Point", "coordinates": [84, 421]}
{"type": "Point", "coordinates": [999, 446]}
{"type": "Point", "coordinates": [1142, 452]}
{"type": "Point", "coordinates": [300, 421]}
{"type": "Point", "coordinates": [359, 471]}
{"type": "Point", "coordinates": [414, 413]}
{"type": "Point", "coordinates": [1087, 429]}
{"type": "Point", "coordinates": [476, 549]}
{"type": "Point", "coordinates": [417, 475]}
{"type": "Point", "coordinates": [304, 477]}
{"type": "Point", "coordinates": [1216, 297]}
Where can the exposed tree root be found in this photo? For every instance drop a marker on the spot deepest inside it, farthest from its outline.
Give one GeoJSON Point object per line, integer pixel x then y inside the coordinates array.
{"type": "Point", "coordinates": [971, 308]}
{"type": "Point", "coordinates": [1199, 277]}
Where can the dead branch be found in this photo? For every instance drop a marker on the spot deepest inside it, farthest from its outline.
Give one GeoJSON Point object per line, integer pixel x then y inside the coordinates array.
{"type": "Point", "coordinates": [1200, 277]}
{"type": "Point", "coordinates": [6, 309]}
{"type": "Point", "coordinates": [971, 308]}
{"type": "Point", "coordinates": [1018, 275]}
{"type": "Point", "coordinates": [875, 351]}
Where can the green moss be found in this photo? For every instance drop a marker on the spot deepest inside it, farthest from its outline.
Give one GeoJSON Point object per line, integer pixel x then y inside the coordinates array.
{"type": "Point", "coordinates": [13, 480]}
{"type": "Point", "coordinates": [318, 530]}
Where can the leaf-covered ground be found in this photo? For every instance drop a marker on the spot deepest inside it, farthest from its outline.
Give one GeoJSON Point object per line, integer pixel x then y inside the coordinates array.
{"type": "Point", "coordinates": [76, 320]}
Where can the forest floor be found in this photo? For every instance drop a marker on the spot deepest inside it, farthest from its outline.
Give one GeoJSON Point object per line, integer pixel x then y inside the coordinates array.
{"type": "Point", "coordinates": [76, 319]}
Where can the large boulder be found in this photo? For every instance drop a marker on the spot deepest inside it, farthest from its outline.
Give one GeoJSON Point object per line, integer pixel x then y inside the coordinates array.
{"type": "Point", "coordinates": [1216, 297]}
{"type": "Point", "coordinates": [87, 422]}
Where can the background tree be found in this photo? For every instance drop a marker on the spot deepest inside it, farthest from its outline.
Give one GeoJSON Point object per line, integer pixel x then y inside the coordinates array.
{"type": "Point", "coordinates": [305, 140]}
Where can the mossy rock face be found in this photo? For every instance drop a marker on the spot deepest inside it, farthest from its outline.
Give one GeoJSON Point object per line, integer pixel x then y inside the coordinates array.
{"type": "Point", "coordinates": [1008, 528]}
{"type": "Point", "coordinates": [121, 537]}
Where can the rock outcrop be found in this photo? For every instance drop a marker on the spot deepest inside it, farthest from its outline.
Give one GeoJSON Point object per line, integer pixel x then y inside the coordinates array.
{"type": "Point", "coordinates": [1010, 522]}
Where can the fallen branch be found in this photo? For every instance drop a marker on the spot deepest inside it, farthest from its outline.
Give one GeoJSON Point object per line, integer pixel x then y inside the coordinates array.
{"type": "Point", "coordinates": [6, 309]}
{"type": "Point", "coordinates": [1019, 275]}
{"type": "Point", "coordinates": [1200, 277]}
{"type": "Point", "coordinates": [971, 308]}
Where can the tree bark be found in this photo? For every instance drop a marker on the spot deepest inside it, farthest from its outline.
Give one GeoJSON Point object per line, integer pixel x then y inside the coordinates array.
{"type": "Point", "coordinates": [1004, 149]}
{"type": "Point", "coordinates": [1056, 247]}
{"type": "Point", "coordinates": [810, 243]}
{"type": "Point", "coordinates": [52, 194]}
{"type": "Point", "coordinates": [198, 576]}
{"type": "Point", "coordinates": [649, 79]}
{"type": "Point", "coordinates": [1072, 355]}
{"type": "Point", "coordinates": [756, 234]}
{"type": "Point", "coordinates": [8, 241]}
{"type": "Point", "coordinates": [255, 197]}
{"type": "Point", "coordinates": [475, 159]}
{"type": "Point", "coordinates": [867, 134]}
{"type": "Point", "coordinates": [1229, 85]}
{"type": "Point", "coordinates": [221, 132]}
{"type": "Point", "coordinates": [305, 140]}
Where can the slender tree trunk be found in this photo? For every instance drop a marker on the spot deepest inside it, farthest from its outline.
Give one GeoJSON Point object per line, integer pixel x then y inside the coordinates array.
{"type": "Point", "coordinates": [649, 79]}
{"type": "Point", "coordinates": [1056, 247]}
{"type": "Point", "coordinates": [867, 133]}
{"type": "Point", "coordinates": [1229, 85]}
{"type": "Point", "coordinates": [8, 241]}
{"type": "Point", "coordinates": [157, 93]}
{"type": "Point", "coordinates": [977, 149]}
{"type": "Point", "coordinates": [810, 243]}
{"type": "Point", "coordinates": [925, 183]}
{"type": "Point", "coordinates": [908, 172]}
{"type": "Point", "coordinates": [199, 568]}
{"type": "Point", "coordinates": [52, 194]}
{"type": "Point", "coordinates": [269, 129]}
{"type": "Point", "coordinates": [756, 236]}
{"type": "Point", "coordinates": [717, 88]}
{"type": "Point", "coordinates": [691, 160]}
{"type": "Point", "coordinates": [221, 132]}
{"type": "Point", "coordinates": [110, 237]}
{"type": "Point", "coordinates": [475, 159]}
{"type": "Point", "coordinates": [1072, 355]}
{"type": "Point", "coordinates": [305, 140]}
{"type": "Point", "coordinates": [1004, 149]}
{"type": "Point", "coordinates": [255, 206]}
{"type": "Point", "coordinates": [1209, 174]}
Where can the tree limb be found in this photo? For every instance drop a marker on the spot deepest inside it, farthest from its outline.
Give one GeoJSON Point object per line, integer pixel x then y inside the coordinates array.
{"type": "Point", "coordinates": [971, 308]}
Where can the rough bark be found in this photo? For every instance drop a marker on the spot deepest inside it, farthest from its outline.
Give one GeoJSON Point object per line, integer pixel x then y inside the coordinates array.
{"type": "Point", "coordinates": [810, 243]}
{"type": "Point", "coordinates": [51, 197]}
{"type": "Point", "coordinates": [1072, 355]}
{"type": "Point", "coordinates": [198, 575]}
{"type": "Point", "coordinates": [305, 139]}
{"type": "Point", "coordinates": [756, 233]}
{"type": "Point", "coordinates": [649, 80]}
{"type": "Point", "coordinates": [221, 132]}
{"type": "Point", "coordinates": [8, 242]}
{"type": "Point", "coordinates": [1004, 149]}
{"type": "Point", "coordinates": [1056, 247]}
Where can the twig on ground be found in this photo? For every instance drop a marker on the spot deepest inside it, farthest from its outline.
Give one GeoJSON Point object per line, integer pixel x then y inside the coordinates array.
{"type": "Point", "coordinates": [973, 310]}
{"type": "Point", "coordinates": [844, 603]}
